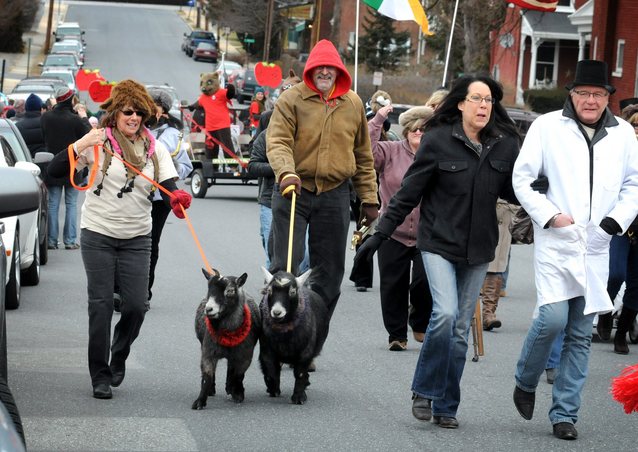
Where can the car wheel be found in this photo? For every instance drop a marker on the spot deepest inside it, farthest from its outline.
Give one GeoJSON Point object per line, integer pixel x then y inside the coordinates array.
{"type": "Point", "coordinates": [9, 403]}
{"type": "Point", "coordinates": [12, 300]}
{"type": "Point", "coordinates": [31, 276]}
{"type": "Point", "coordinates": [199, 185]}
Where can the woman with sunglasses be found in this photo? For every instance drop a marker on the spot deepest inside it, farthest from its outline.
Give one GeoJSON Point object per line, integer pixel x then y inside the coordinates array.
{"type": "Point", "coordinates": [116, 224]}
{"type": "Point", "coordinates": [402, 278]}
{"type": "Point", "coordinates": [463, 165]}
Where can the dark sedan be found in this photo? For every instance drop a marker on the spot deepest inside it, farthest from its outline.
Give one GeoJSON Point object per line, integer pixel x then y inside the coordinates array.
{"type": "Point", "coordinates": [205, 51]}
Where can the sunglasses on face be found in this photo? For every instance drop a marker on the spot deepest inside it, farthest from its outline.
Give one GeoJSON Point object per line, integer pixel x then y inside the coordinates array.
{"type": "Point", "coordinates": [130, 113]}
{"type": "Point", "coordinates": [420, 129]}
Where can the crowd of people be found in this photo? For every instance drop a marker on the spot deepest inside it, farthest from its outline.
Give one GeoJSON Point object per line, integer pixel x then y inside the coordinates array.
{"type": "Point", "coordinates": [438, 201]}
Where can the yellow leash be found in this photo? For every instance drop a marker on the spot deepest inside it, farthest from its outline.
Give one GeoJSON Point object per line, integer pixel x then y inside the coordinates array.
{"type": "Point", "coordinates": [291, 231]}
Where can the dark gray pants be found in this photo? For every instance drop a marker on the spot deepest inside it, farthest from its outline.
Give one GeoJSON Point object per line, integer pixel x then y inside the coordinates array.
{"type": "Point", "coordinates": [327, 218]}
{"type": "Point", "coordinates": [103, 258]}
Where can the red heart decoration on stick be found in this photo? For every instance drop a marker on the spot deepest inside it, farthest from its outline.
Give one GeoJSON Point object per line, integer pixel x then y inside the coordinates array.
{"type": "Point", "coordinates": [85, 77]}
{"type": "Point", "coordinates": [100, 90]}
{"type": "Point", "coordinates": [268, 74]}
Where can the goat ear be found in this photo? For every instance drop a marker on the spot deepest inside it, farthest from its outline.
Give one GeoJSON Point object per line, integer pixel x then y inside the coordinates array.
{"type": "Point", "coordinates": [241, 280]}
{"type": "Point", "coordinates": [267, 275]}
{"type": "Point", "coordinates": [301, 280]}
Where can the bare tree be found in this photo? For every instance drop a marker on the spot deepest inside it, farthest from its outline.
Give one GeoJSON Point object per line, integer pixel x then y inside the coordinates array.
{"type": "Point", "coordinates": [16, 18]}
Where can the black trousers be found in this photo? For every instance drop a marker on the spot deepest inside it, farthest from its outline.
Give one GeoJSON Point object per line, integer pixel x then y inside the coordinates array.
{"type": "Point", "coordinates": [405, 293]}
{"type": "Point", "coordinates": [223, 136]}
{"type": "Point", "coordinates": [159, 214]}
{"type": "Point", "coordinates": [327, 217]}
{"type": "Point", "coordinates": [103, 256]}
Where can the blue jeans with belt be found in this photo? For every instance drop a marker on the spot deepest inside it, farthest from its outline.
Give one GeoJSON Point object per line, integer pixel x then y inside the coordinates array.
{"type": "Point", "coordinates": [552, 319]}
{"type": "Point", "coordinates": [69, 234]}
{"type": "Point", "coordinates": [455, 290]}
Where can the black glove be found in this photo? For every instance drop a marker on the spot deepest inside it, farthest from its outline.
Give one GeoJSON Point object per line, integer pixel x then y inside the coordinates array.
{"type": "Point", "coordinates": [368, 248]}
{"type": "Point", "coordinates": [541, 185]}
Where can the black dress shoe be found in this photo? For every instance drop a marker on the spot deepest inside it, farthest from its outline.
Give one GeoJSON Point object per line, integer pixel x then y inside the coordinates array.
{"type": "Point", "coordinates": [524, 402]}
{"type": "Point", "coordinates": [102, 391]}
{"type": "Point", "coordinates": [421, 408]}
{"type": "Point", "coordinates": [565, 430]}
{"type": "Point", "coordinates": [117, 374]}
{"type": "Point", "coordinates": [445, 422]}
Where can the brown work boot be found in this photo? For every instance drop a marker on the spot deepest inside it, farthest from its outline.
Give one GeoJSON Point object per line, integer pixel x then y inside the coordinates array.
{"type": "Point", "coordinates": [491, 292]}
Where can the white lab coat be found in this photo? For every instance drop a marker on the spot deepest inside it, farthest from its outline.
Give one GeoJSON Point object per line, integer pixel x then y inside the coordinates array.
{"type": "Point", "coordinates": [574, 260]}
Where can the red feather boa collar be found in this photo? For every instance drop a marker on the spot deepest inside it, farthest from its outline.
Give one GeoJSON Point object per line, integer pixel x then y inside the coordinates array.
{"type": "Point", "coordinates": [228, 338]}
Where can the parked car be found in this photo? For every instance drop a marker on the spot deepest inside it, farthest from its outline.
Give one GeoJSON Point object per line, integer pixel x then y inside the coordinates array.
{"type": "Point", "coordinates": [44, 87]}
{"type": "Point", "coordinates": [522, 118]}
{"type": "Point", "coordinates": [246, 86]}
{"type": "Point", "coordinates": [19, 194]}
{"type": "Point", "coordinates": [57, 60]}
{"type": "Point", "coordinates": [230, 69]}
{"type": "Point", "coordinates": [65, 75]}
{"type": "Point", "coordinates": [25, 236]}
{"type": "Point", "coordinates": [67, 29]}
{"type": "Point", "coordinates": [195, 37]}
{"type": "Point", "coordinates": [205, 51]}
{"type": "Point", "coordinates": [69, 45]}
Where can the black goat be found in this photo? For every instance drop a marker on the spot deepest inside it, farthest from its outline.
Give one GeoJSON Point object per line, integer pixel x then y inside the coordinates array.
{"type": "Point", "coordinates": [294, 328]}
{"type": "Point", "coordinates": [227, 324]}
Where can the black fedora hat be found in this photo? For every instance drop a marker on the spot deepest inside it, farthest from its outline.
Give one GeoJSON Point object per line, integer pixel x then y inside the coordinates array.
{"type": "Point", "coordinates": [627, 102]}
{"type": "Point", "coordinates": [591, 72]}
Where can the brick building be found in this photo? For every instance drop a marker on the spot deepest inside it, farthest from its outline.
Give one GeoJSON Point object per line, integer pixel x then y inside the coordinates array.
{"type": "Point", "coordinates": [540, 50]}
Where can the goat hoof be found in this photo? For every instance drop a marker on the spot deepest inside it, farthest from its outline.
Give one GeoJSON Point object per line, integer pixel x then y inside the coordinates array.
{"type": "Point", "coordinates": [198, 404]}
{"type": "Point", "coordinates": [238, 399]}
{"type": "Point", "coordinates": [299, 399]}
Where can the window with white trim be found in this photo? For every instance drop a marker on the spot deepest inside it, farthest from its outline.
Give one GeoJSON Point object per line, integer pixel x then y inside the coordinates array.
{"type": "Point", "coordinates": [620, 56]}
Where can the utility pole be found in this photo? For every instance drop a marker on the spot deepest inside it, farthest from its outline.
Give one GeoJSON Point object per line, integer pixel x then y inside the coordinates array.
{"type": "Point", "coordinates": [268, 31]}
{"type": "Point", "coordinates": [47, 40]}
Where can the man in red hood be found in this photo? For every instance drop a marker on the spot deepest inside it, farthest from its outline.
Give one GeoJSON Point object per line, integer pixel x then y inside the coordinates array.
{"type": "Point", "coordinates": [318, 140]}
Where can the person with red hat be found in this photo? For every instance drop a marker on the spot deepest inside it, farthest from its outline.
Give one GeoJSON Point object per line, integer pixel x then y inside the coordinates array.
{"type": "Point", "coordinates": [590, 158]}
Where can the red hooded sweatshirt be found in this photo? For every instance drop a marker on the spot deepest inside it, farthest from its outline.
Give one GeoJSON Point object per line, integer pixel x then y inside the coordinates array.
{"type": "Point", "coordinates": [325, 54]}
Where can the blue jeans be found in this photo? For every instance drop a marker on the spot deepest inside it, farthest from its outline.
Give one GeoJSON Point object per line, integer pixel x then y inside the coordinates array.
{"type": "Point", "coordinates": [455, 289]}
{"type": "Point", "coordinates": [70, 232]}
{"type": "Point", "coordinates": [551, 321]}
{"type": "Point", "coordinates": [554, 356]}
{"type": "Point", "coordinates": [623, 268]}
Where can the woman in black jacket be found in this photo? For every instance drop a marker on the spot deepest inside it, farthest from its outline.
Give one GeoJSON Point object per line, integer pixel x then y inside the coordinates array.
{"type": "Point", "coordinates": [463, 165]}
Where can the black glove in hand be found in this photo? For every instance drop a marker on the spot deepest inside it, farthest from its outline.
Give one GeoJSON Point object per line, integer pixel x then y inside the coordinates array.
{"type": "Point", "coordinates": [541, 185]}
{"type": "Point", "coordinates": [368, 248]}
{"type": "Point", "coordinates": [369, 213]}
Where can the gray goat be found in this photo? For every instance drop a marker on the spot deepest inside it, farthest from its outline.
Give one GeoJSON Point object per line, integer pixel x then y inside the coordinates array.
{"type": "Point", "coordinates": [228, 325]}
{"type": "Point", "coordinates": [294, 328]}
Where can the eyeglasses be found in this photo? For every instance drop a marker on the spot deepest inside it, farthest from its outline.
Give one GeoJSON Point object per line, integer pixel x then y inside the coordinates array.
{"type": "Point", "coordinates": [585, 94]}
{"type": "Point", "coordinates": [635, 124]}
{"type": "Point", "coordinates": [476, 99]}
{"type": "Point", "coordinates": [141, 114]}
{"type": "Point", "coordinates": [420, 129]}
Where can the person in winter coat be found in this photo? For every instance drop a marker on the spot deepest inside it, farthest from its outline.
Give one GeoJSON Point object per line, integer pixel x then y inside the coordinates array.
{"type": "Point", "coordinates": [116, 223]}
{"type": "Point", "coordinates": [257, 107]}
{"type": "Point", "coordinates": [590, 159]}
{"type": "Point", "coordinates": [463, 165]}
{"type": "Point", "coordinates": [30, 126]}
{"type": "Point", "coordinates": [404, 290]}
{"type": "Point", "coordinates": [61, 127]}
{"type": "Point", "coordinates": [318, 140]}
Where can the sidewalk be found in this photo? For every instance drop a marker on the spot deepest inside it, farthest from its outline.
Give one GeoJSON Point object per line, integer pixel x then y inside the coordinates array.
{"type": "Point", "coordinates": [16, 63]}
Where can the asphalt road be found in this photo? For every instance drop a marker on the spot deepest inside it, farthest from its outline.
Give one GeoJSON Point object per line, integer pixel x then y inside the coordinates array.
{"type": "Point", "coordinates": [359, 399]}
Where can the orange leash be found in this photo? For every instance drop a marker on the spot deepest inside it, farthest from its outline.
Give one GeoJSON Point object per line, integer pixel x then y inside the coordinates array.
{"type": "Point", "coordinates": [73, 164]}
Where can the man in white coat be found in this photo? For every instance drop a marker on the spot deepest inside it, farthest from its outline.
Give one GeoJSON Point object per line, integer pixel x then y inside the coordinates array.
{"type": "Point", "coordinates": [590, 158]}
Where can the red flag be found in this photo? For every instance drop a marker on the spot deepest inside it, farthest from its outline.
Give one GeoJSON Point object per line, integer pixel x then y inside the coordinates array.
{"type": "Point", "coordinates": [548, 6]}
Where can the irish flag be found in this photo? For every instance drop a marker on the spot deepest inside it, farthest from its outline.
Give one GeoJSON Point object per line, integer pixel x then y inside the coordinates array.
{"type": "Point", "coordinates": [539, 5]}
{"type": "Point", "coordinates": [402, 10]}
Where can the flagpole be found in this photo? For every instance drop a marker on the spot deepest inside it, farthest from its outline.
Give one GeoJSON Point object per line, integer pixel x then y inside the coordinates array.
{"type": "Point", "coordinates": [449, 45]}
{"type": "Point", "coordinates": [356, 47]}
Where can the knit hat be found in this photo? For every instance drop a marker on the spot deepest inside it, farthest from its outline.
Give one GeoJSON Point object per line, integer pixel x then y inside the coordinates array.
{"type": "Point", "coordinates": [259, 90]}
{"type": "Point", "coordinates": [129, 93]}
{"type": "Point", "coordinates": [94, 121]}
{"type": "Point", "coordinates": [290, 81]}
{"type": "Point", "coordinates": [161, 99]}
{"type": "Point", "coordinates": [415, 117]}
{"type": "Point", "coordinates": [63, 94]}
{"type": "Point", "coordinates": [379, 99]}
{"type": "Point", "coordinates": [33, 103]}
